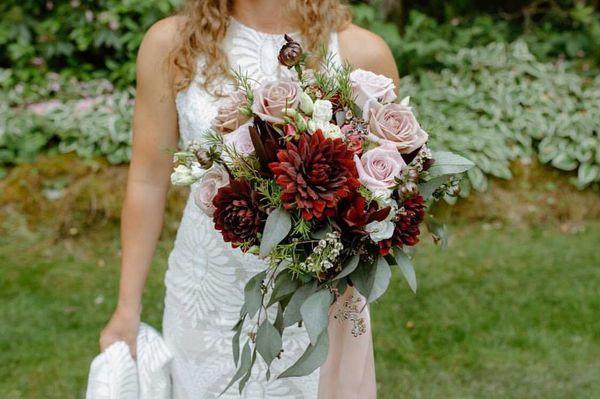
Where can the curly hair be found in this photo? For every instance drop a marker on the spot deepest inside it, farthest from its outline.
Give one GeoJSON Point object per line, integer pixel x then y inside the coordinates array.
{"type": "Point", "coordinates": [205, 25]}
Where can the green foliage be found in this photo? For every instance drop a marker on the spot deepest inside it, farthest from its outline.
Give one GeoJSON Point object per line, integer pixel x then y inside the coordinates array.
{"type": "Point", "coordinates": [497, 103]}
{"type": "Point", "coordinates": [78, 37]}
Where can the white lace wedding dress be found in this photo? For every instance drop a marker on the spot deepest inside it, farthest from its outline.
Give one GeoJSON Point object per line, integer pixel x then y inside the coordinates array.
{"type": "Point", "coordinates": [206, 277]}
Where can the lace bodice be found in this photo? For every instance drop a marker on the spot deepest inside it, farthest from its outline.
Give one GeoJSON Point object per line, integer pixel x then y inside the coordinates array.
{"type": "Point", "coordinates": [253, 53]}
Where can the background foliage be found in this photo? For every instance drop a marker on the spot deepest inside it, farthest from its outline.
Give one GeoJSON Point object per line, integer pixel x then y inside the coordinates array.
{"type": "Point", "coordinates": [512, 80]}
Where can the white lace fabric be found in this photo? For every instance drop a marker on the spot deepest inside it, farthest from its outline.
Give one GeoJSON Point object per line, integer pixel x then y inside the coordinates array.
{"type": "Point", "coordinates": [206, 277]}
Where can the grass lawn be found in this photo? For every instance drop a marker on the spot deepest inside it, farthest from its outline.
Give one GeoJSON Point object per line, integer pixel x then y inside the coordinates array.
{"type": "Point", "coordinates": [504, 313]}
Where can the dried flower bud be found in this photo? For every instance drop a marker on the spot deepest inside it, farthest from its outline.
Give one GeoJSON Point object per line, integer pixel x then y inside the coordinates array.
{"type": "Point", "coordinates": [290, 54]}
{"type": "Point", "coordinates": [204, 158]}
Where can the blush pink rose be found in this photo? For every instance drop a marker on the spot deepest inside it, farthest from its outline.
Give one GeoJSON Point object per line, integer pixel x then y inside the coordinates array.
{"type": "Point", "coordinates": [215, 178]}
{"type": "Point", "coordinates": [240, 140]}
{"type": "Point", "coordinates": [229, 116]}
{"type": "Point", "coordinates": [379, 167]}
{"type": "Point", "coordinates": [396, 124]}
{"type": "Point", "coordinates": [369, 88]}
{"type": "Point", "coordinates": [272, 98]}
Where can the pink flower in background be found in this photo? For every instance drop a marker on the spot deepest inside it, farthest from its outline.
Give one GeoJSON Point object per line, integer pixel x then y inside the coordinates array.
{"type": "Point", "coordinates": [229, 116]}
{"type": "Point", "coordinates": [43, 108]}
{"type": "Point", "coordinates": [215, 178]}
{"type": "Point", "coordinates": [85, 104]}
{"type": "Point", "coordinates": [396, 124]}
{"type": "Point", "coordinates": [272, 98]}
{"type": "Point", "coordinates": [379, 167]}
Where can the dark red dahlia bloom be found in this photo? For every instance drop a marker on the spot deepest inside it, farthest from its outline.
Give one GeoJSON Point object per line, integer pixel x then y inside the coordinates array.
{"type": "Point", "coordinates": [315, 173]}
{"type": "Point", "coordinates": [353, 212]}
{"type": "Point", "coordinates": [406, 231]}
{"type": "Point", "coordinates": [239, 214]}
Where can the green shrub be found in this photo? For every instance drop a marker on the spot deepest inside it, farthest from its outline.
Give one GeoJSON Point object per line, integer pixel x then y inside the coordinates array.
{"type": "Point", "coordinates": [497, 103]}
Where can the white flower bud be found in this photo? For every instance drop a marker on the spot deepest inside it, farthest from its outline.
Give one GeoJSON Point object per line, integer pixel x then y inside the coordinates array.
{"type": "Point", "coordinates": [306, 104]}
{"type": "Point", "coordinates": [379, 231]}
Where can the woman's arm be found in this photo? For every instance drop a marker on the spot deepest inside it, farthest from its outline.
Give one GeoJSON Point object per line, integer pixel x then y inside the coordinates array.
{"type": "Point", "coordinates": [154, 133]}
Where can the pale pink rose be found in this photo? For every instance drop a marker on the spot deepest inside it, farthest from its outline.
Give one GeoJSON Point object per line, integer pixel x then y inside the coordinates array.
{"type": "Point", "coordinates": [396, 124]}
{"type": "Point", "coordinates": [369, 88]}
{"type": "Point", "coordinates": [215, 178]}
{"type": "Point", "coordinates": [272, 98]}
{"type": "Point", "coordinates": [379, 167]}
{"type": "Point", "coordinates": [229, 116]}
{"type": "Point", "coordinates": [240, 140]}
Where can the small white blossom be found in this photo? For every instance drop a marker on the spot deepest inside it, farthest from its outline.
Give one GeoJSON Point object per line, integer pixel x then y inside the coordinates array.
{"type": "Point", "coordinates": [331, 131]}
{"type": "Point", "coordinates": [322, 112]}
{"type": "Point", "coordinates": [196, 170]}
{"type": "Point", "coordinates": [182, 176]}
{"type": "Point", "coordinates": [379, 231]}
{"type": "Point", "coordinates": [306, 103]}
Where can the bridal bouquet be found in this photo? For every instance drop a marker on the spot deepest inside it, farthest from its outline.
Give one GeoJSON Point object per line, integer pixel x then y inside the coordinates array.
{"type": "Point", "coordinates": [325, 177]}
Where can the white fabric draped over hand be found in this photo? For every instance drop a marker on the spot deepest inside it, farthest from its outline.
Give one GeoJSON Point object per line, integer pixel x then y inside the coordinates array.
{"type": "Point", "coordinates": [349, 371]}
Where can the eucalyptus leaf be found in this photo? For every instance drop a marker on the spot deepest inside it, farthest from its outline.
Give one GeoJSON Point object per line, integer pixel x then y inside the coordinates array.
{"type": "Point", "coordinates": [253, 294]}
{"type": "Point", "coordinates": [363, 277]}
{"type": "Point", "coordinates": [349, 268]}
{"type": "Point", "coordinates": [285, 284]}
{"type": "Point", "coordinates": [246, 377]}
{"type": "Point", "coordinates": [315, 313]}
{"type": "Point", "coordinates": [426, 189]}
{"type": "Point", "coordinates": [438, 230]}
{"type": "Point", "coordinates": [407, 269]}
{"type": "Point", "coordinates": [381, 280]}
{"type": "Point", "coordinates": [243, 369]}
{"type": "Point", "coordinates": [292, 311]}
{"type": "Point", "coordinates": [448, 163]}
{"type": "Point", "coordinates": [277, 227]}
{"type": "Point", "coordinates": [314, 356]}
{"type": "Point", "coordinates": [268, 341]}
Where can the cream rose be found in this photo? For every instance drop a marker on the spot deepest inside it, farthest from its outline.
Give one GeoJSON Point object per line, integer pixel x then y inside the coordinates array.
{"type": "Point", "coordinates": [379, 167]}
{"type": "Point", "coordinates": [215, 178]}
{"type": "Point", "coordinates": [379, 231]}
{"type": "Point", "coordinates": [240, 140]}
{"type": "Point", "coordinates": [272, 98]}
{"type": "Point", "coordinates": [229, 116]}
{"type": "Point", "coordinates": [396, 124]}
{"type": "Point", "coordinates": [369, 88]}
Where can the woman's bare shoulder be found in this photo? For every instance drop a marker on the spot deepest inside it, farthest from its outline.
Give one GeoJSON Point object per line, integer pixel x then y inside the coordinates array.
{"type": "Point", "coordinates": [366, 50]}
{"type": "Point", "coordinates": [162, 37]}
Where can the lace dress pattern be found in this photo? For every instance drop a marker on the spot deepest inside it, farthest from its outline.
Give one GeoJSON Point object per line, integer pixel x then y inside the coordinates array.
{"type": "Point", "coordinates": [206, 277]}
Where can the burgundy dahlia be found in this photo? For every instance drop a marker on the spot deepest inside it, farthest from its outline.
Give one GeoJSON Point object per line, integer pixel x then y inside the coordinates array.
{"type": "Point", "coordinates": [239, 214]}
{"type": "Point", "coordinates": [315, 173]}
{"type": "Point", "coordinates": [408, 219]}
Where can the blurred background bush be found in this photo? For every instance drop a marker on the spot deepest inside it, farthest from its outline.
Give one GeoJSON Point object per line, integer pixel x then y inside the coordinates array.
{"type": "Point", "coordinates": [510, 311]}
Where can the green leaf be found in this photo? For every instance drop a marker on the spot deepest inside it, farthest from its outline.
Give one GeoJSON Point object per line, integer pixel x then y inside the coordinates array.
{"type": "Point", "coordinates": [447, 163]}
{"type": "Point", "coordinates": [246, 377]}
{"type": "Point", "coordinates": [292, 311]}
{"type": "Point", "coordinates": [315, 313]}
{"type": "Point", "coordinates": [381, 280]}
{"type": "Point", "coordinates": [277, 227]}
{"type": "Point", "coordinates": [285, 284]}
{"type": "Point", "coordinates": [314, 356]}
{"type": "Point", "coordinates": [407, 269]}
{"type": "Point", "coordinates": [426, 189]}
{"type": "Point", "coordinates": [268, 341]}
{"type": "Point", "coordinates": [363, 278]}
{"type": "Point", "coordinates": [235, 342]}
{"type": "Point", "coordinates": [245, 366]}
{"type": "Point", "coordinates": [278, 324]}
{"type": "Point", "coordinates": [253, 294]}
{"type": "Point", "coordinates": [438, 230]}
{"type": "Point", "coordinates": [349, 268]}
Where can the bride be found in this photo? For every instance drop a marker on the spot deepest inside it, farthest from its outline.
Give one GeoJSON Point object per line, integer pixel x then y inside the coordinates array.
{"type": "Point", "coordinates": [183, 67]}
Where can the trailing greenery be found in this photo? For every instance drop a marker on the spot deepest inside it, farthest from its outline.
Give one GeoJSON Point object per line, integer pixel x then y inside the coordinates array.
{"type": "Point", "coordinates": [497, 103]}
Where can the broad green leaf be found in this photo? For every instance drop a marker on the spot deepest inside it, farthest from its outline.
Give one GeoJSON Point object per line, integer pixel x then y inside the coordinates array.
{"type": "Point", "coordinates": [438, 230]}
{"type": "Point", "coordinates": [243, 369]}
{"type": "Point", "coordinates": [235, 342]}
{"type": "Point", "coordinates": [253, 294]}
{"type": "Point", "coordinates": [292, 311]}
{"type": "Point", "coordinates": [246, 377]}
{"type": "Point", "coordinates": [349, 268]}
{"type": "Point", "coordinates": [285, 284]}
{"type": "Point", "coordinates": [363, 277]}
{"type": "Point", "coordinates": [407, 269]}
{"type": "Point", "coordinates": [426, 189]}
{"type": "Point", "coordinates": [315, 313]}
{"type": "Point", "coordinates": [268, 341]}
{"type": "Point", "coordinates": [277, 227]}
{"type": "Point", "coordinates": [447, 163]}
{"type": "Point", "coordinates": [381, 281]}
{"type": "Point", "coordinates": [278, 324]}
{"type": "Point", "coordinates": [314, 356]}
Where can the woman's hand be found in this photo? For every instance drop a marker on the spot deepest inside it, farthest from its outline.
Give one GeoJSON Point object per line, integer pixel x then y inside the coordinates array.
{"type": "Point", "coordinates": [123, 326]}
